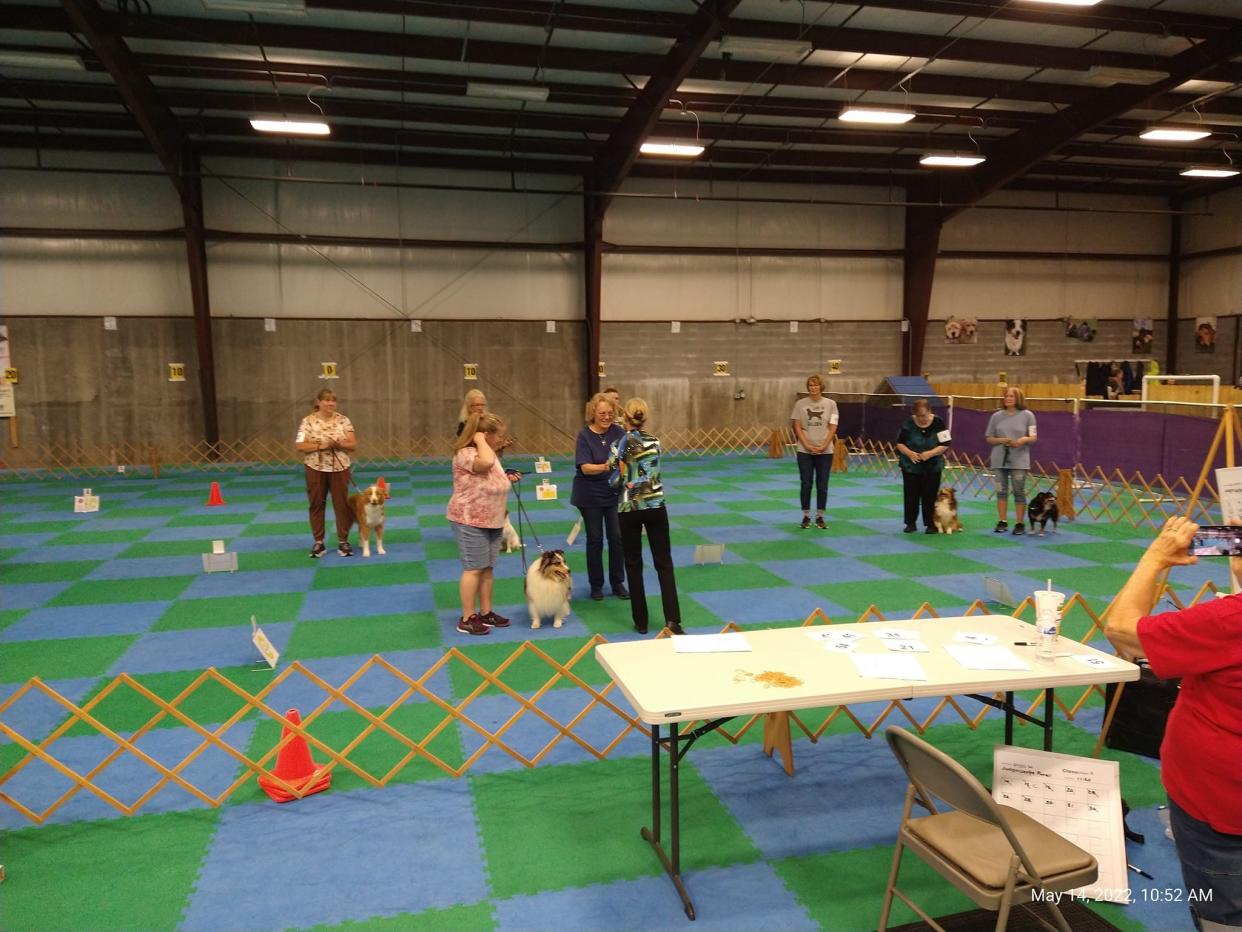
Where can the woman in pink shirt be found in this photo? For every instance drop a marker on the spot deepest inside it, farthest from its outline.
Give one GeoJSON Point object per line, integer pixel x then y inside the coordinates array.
{"type": "Point", "coordinates": [477, 514]}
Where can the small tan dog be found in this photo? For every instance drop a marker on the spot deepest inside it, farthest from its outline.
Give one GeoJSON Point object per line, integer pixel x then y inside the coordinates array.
{"type": "Point", "coordinates": [509, 540]}
{"type": "Point", "coordinates": [367, 509]}
{"type": "Point", "coordinates": [945, 514]}
{"type": "Point", "coordinates": [548, 584]}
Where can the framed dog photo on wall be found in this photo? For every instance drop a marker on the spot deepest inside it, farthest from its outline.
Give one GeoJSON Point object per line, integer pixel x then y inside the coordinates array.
{"type": "Point", "coordinates": [1015, 336]}
{"type": "Point", "coordinates": [1080, 328]}
{"type": "Point", "coordinates": [1141, 334]}
{"type": "Point", "coordinates": [961, 331]}
{"type": "Point", "coordinates": [1205, 334]}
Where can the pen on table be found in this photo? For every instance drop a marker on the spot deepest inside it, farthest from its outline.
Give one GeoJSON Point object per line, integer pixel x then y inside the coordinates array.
{"type": "Point", "coordinates": [1023, 644]}
{"type": "Point", "coordinates": [1140, 871]}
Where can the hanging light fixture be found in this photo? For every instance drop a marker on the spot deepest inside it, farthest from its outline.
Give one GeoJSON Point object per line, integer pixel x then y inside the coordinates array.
{"type": "Point", "coordinates": [855, 113]}
{"type": "Point", "coordinates": [287, 127]}
{"type": "Point", "coordinates": [1208, 171]}
{"type": "Point", "coordinates": [1168, 132]}
{"type": "Point", "coordinates": [675, 148]}
{"type": "Point", "coordinates": [952, 159]}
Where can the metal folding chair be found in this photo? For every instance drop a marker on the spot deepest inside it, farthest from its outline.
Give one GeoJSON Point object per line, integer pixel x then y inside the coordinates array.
{"type": "Point", "coordinates": [996, 855]}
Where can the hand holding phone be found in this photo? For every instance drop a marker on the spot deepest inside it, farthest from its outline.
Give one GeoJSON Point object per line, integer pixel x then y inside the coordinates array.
{"type": "Point", "coordinates": [1217, 541]}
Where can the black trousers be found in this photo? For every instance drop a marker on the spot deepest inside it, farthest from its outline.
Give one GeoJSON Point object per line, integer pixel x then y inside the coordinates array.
{"type": "Point", "coordinates": [920, 490]}
{"type": "Point", "coordinates": [655, 520]}
{"type": "Point", "coordinates": [817, 466]}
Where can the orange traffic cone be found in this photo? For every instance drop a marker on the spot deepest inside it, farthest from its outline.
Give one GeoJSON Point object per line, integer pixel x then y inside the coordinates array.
{"type": "Point", "coordinates": [215, 498]}
{"type": "Point", "coordinates": [295, 766]}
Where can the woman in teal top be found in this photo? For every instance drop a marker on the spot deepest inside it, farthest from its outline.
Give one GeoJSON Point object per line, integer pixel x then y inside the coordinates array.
{"type": "Point", "coordinates": [636, 476]}
{"type": "Point", "coordinates": [921, 445]}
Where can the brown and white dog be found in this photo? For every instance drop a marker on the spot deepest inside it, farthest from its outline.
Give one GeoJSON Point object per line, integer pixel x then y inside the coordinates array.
{"type": "Point", "coordinates": [944, 517]}
{"type": "Point", "coordinates": [548, 584]}
{"type": "Point", "coordinates": [509, 540]}
{"type": "Point", "coordinates": [367, 509]}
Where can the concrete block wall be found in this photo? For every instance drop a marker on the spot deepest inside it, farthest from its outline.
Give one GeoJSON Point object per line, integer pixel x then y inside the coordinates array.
{"type": "Point", "coordinates": [674, 371]}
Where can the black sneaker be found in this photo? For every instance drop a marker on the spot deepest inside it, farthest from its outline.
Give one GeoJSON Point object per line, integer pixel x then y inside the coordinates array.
{"type": "Point", "coordinates": [492, 620]}
{"type": "Point", "coordinates": [597, 595]}
{"type": "Point", "coordinates": [819, 523]}
{"type": "Point", "coordinates": [1001, 527]}
{"type": "Point", "coordinates": [909, 529]}
{"type": "Point", "coordinates": [344, 549]}
{"type": "Point", "coordinates": [318, 550]}
{"type": "Point", "coordinates": [621, 592]}
{"type": "Point", "coordinates": [806, 522]}
{"type": "Point", "coordinates": [676, 628]}
{"type": "Point", "coordinates": [930, 530]}
{"type": "Point", "coordinates": [1019, 530]}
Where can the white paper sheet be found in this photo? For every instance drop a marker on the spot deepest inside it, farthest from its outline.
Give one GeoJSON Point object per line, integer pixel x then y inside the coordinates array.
{"type": "Point", "coordinates": [828, 634]}
{"type": "Point", "coordinates": [907, 647]}
{"type": "Point", "coordinates": [888, 667]}
{"type": "Point", "coordinates": [896, 634]}
{"type": "Point", "coordinates": [978, 657]}
{"type": "Point", "coordinates": [1079, 798]}
{"type": "Point", "coordinates": [734, 642]}
{"type": "Point", "coordinates": [974, 637]}
{"type": "Point", "coordinates": [1229, 483]}
{"type": "Point", "coordinates": [1095, 663]}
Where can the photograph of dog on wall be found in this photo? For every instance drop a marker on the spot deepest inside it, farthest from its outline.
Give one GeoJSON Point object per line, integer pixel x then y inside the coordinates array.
{"type": "Point", "coordinates": [1015, 336]}
{"type": "Point", "coordinates": [1080, 328]}
{"type": "Point", "coordinates": [960, 331]}
{"type": "Point", "coordinates": [1141, 334]}
{"type": "Point", "coordinates": [1205, 334]}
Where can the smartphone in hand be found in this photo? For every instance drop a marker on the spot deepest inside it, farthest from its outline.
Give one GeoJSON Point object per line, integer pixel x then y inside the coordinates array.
{"type": "Point", "coordinates": [1217, 541]}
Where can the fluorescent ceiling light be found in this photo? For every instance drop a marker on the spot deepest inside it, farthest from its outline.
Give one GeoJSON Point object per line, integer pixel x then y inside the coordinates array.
{"type": "Point", "coordinates": [41, 60]}
{"type": "Point", "coordinates": [507, 91]}
{"type": "Point", "coordinates": [673, 149]}
{"type": "Point", "coordinates": [875, 115]}
{"type": "Point", "coordinates": [1106, 74]}
{"type": "Point", "coordinates": [257, 6]}
{"type": "Point", "coordinates": [1174, 134]}
{"type": "Point", "coordinates": [1202, 171]}
{"type": "Point", "coordinates": [290, 127]}
{"type": "Point", "coordinates": [951, 159]}
{"type": "Point", "coordinates": [748, 45]}
{"type": "Point", "coordinates": [1067, 2]}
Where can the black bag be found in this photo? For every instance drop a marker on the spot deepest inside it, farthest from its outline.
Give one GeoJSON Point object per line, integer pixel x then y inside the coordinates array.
{"type": "Point", "coordinates": [1138, 724]}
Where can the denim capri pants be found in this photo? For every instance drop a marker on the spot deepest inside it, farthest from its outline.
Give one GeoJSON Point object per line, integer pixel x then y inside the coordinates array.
{"type": "Point", "coordinates": [479, 546]}
{"type": "Point", "coordinates": [1001, 479]}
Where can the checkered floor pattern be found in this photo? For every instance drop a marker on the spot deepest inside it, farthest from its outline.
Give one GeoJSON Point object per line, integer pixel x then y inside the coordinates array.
{"type": "Point", "coordinates": [84, 597]}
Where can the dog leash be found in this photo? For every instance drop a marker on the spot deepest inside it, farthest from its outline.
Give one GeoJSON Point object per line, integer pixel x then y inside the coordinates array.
{"type": "Point", "coordinates": [523, 517]}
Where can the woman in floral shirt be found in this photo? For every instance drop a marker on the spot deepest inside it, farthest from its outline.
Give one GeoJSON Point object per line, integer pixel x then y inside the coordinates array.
{"type": "Point", "coordinates": [476, 511]}
{"type": "Point", "coordinates": [326, 438]}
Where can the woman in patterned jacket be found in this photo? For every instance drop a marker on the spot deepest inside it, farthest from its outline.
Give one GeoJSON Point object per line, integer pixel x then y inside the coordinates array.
{"type": "Point", "coordinates": [636, 476]}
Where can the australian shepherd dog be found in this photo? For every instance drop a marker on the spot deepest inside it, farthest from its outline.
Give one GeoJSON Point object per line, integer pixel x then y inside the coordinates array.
{"type": "Point", "coordinates": [367, 510]}
{"type": "Point", "coordinates": [548, 584]}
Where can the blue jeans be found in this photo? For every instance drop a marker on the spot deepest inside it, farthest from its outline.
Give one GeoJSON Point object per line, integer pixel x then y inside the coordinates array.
{"type": "Point", "coordinates": [597, 521]}
{"type": "Point", "coordinates": [1211, 866]}
{"type": "Point", "coordinates": [817, 465]}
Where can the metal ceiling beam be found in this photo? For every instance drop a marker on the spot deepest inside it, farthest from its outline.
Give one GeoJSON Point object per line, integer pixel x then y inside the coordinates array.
{"type": "Point", "coordinates": [627, 21]}
{"type": "Point", "coordinates": [1016, 153]}
{"type": "Point", "coordinates": [180, 162]}
{"type": "Point", "coordinates": [446, 48]}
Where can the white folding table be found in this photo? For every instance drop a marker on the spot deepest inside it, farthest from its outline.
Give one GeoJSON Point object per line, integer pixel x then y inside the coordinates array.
{"type": "Point", "coordinates": [786, 669]}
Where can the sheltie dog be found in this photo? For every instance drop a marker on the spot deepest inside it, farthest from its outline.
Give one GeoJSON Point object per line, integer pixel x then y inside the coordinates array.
{"type": "Point", "coordinates": [548, 584]}
{"type": "Point", "coordinates": [367, 510]}
{"type": "Point", "coordinates": [945, 515]}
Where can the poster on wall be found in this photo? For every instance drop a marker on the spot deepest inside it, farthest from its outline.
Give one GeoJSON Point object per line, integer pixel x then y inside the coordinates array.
{"type": "Point", "coordinates": [1015, 336]}
{"type": "Point", "coordinates": [8, 404]}
{"type": "Point", "coordinates": [1082, 329]}
{"type": "Point", "coordinates": [961, 331]}
{"type": "Point", "coordinates": [1141, 335]}
{"type": "Point", "coordinates": [1205, 334]}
